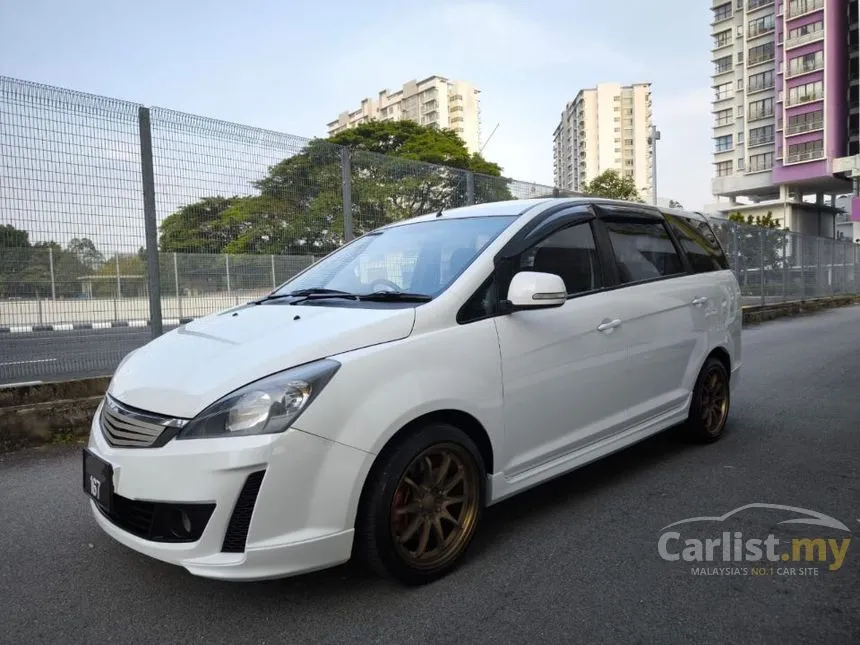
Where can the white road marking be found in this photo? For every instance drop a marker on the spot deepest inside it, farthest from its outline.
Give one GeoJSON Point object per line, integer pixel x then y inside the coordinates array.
{"type": "Point", "coordinates": [41, 360]}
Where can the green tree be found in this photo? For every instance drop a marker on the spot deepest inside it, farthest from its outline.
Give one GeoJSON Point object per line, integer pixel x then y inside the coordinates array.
{"type": "Point", "coordinates": [675, 204]}
{"type": "Point", "coordinates": [399, 169]}
{"type": "Point", "coordinates": [613, 185]}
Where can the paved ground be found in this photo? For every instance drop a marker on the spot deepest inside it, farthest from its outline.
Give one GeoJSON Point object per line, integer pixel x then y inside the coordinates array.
{"type": "Point", "coordinates": [573, 561]}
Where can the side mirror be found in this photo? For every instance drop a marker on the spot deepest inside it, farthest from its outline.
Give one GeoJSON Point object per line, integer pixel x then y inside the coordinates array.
{"type": "Point", "coordinates": [534, 290]}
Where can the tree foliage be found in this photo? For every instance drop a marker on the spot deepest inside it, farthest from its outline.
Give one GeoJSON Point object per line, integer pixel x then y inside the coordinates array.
{"type": "Point", "coordinates": [763, 244]}
{"type": "Point", "coordinates": [26, 268]}
{"type": "Point", "coordinates": [399, 169]}
{"type": "Point", "coordinates": [613, 185]}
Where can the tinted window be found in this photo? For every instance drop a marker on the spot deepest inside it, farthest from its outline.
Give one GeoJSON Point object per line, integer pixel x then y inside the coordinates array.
{"type": "Point", "coordinates": [570, 253]}
{"type": "Point", "coordinates": [699, 243]}
{"type": "Point", "coordinates": [643, 250]}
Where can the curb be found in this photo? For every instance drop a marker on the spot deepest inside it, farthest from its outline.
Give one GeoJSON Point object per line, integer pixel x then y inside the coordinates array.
{"type": "Point", "coordinates": [31, 329]}
{"type": "Point", "coordinates": [755, 314]}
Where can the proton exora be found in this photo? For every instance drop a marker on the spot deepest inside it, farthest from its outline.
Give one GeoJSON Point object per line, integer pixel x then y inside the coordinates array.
{"type": "Point", "coordinates": [377, 402]}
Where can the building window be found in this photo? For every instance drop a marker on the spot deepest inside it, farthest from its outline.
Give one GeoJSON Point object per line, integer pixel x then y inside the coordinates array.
{"type": "Point", "coordinates": [723, 38]}
{"type": "Point", "coordinates": [760, 26]}
{"type": "Point", "coordinates": [755, 4]}
{"type": "Point", "coordinates": [762, 162]}
{"type": "Point", "coordinates": [740, 138]}
{"type": "Point", "coordinates": [806, 63]}
{"type": "Point", "coordinates": [806, 122]}
{"type": "Point", "coordinates": [799, 7]}
{"type": "Point", "coordinates": [761, 53]}
{"type": "Point", "coordinates": [740, 163]}
{"type": "Point", "coordinates": [740, 85]}
{"type": "Point", "coordinates": [723, 65]}
{"type": "Point", "coordinates": [761, 136]}
{"type": "Point", "coordinates": [723, 168]}
{"type": "Point", "coordinates": [761, 81]}
{"type": "Point", "coordinates": [805, 151]}
{"type": "Point", "coordinates": [806, 93]}
{"type": "Point", "coordinates": [723, 91]}
{"type": "Point", "coordinates": [723, 143]}
{"type": "Point", "coordinates": [724, 117]}
{"type": "Point", "coordinates": [761, 109]}
{"type": "Point", "coordinates": [806, 33]}
{"type": "Point", "coordinates": [723, 12]}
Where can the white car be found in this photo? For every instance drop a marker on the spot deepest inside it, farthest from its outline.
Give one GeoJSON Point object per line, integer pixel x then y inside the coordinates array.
{"type": "Point", "coordinates": [377, 402]}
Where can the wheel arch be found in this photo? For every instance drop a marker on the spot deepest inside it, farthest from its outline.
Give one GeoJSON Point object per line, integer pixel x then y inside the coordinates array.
{"type": "Point", "coordinates": [461, 420]}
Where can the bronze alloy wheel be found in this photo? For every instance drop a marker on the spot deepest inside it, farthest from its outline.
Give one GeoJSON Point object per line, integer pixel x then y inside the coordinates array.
{"type": "Point", "coordinates": [435, 506]}
{"type": "Point", "coordinates": [714, 400]}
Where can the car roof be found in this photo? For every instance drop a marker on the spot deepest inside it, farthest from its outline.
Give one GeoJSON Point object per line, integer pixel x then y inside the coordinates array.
{"type": "Point", "coordinates": [518, 207]}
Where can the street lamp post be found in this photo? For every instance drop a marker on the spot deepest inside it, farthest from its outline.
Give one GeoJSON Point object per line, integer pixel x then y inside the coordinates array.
{"type": "Point", "coordinates": [652, 141]}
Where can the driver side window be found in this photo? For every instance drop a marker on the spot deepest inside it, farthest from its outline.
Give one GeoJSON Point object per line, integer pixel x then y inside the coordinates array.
{"type": "Point", "coordinates": [570, 253]}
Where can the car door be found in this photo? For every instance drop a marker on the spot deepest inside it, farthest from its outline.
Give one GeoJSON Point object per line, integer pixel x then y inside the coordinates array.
{"type": "Point", "coordinates": [561, 366]}
{"type": "Point", "coordinates": [658, 303]}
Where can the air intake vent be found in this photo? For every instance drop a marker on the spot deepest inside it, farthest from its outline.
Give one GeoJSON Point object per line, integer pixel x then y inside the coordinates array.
{"type": "Point", "coordinates": [240, 521]}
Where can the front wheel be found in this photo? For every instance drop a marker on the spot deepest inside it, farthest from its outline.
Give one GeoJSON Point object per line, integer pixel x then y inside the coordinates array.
{"type": "Point", "coordinates": [711, 400]}
{"type": "Point", "coordinates": [422, 506]}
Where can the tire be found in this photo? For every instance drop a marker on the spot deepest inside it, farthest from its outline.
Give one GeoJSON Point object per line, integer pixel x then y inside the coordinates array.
{"type": "Point", "coordinates": [422, 515]}
{"type": "Point", "coordinates": [711, 402]}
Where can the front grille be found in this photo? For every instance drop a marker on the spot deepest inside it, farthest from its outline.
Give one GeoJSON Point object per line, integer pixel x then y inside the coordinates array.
{"type": "Point", "coordinates": [126, 427]}
{"type": "Point", "coordinates": [240, 521]}
{"type": "Point", "coordinates": [159, 521]}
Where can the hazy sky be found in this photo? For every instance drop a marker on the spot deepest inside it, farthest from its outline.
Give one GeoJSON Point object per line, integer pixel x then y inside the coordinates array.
{"type": "Point", "coordinates": [293, 66]}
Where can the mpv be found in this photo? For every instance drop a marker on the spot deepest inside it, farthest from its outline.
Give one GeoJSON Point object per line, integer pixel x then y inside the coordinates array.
{"type": "Point", "coordinates": [378, 401]}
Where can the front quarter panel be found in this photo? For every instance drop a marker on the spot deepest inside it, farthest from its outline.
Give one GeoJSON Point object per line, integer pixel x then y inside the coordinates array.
{"type": "Point", "coordinates": [378, 390]}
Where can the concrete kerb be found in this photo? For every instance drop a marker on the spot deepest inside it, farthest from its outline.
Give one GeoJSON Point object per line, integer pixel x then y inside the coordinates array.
{"type": "Point", "coordinates": [45, 413]}
{"type": "Point", "coordinates": [29, 329]}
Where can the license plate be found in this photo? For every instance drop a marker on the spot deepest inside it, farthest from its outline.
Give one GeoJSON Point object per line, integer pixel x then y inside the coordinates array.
{"type": "Point", "coordinates": [98, 479]}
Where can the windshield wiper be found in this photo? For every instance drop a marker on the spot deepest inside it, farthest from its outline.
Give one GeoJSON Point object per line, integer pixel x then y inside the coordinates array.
{"type": "Point", "coordinates": [394, 296]}
{"type": "Point", "coordinates": [304, 294]}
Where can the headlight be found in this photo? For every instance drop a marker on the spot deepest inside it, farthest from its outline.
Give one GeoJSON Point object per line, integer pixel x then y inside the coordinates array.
{"type": "Point", "coordinates": [267, 406]}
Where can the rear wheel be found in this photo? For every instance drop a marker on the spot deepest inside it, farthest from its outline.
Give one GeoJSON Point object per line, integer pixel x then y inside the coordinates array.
{"type": "Point", "coordinates": [422, 506]}
{"type": "Point", "coordinates": [711, 401]}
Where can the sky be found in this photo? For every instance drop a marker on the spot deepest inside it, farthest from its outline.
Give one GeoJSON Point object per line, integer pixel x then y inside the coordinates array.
{"type": "Point", "coordinates": [293, 66]}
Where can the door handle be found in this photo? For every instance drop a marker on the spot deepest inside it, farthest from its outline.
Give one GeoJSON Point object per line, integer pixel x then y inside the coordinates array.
{"type": "Point", "coordinates": [610, 324]}
{"type": "Point", "coordinates": [700, 301]}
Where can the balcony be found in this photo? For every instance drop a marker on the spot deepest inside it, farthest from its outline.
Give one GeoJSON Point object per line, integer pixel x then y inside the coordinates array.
{"type": "Point", "coordinates": [802, 99]}
{"type": "Point", "coordinates": [805, 39]}
{"type": "Point", "coordinates": [800, 70]}
{"type": "Point", "coordinates": [806, 155]}
{"type": "Point", "coordinates": [798, 8]}
{"type": "Point", "coordinates": [759, 60]}
{"type": "Point", "coordinates": [805, 126]}
{"type": "Point", "coordinates": [752, 5]}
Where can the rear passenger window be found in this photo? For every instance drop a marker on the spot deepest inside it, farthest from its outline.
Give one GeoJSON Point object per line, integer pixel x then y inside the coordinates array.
{"type": "Point", "coordinates": [643, 250]}
{"type": "Point", "coordinates": [699, 243]}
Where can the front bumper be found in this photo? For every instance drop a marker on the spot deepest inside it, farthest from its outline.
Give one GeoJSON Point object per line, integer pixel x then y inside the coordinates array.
{"type": "Point", "coordinates": [277, 505]}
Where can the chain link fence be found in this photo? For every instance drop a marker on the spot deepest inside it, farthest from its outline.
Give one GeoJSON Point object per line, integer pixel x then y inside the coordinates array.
{"type": "Point", "coordinates": [119, 221]}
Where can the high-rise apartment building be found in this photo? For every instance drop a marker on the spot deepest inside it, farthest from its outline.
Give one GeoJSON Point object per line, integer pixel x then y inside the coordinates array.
{"type": "Point", "coordinates": [432, 101]}
{"type": "Point", "coordinates": [784, 107]}
{"type": "Point", "coordinates": [605, 127]}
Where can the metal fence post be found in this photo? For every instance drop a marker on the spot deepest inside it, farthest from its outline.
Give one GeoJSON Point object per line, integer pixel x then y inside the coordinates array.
{"type": "Point", "coordinates": [176, 283]}
{"type": "Point", "coordinates": [53, 280]}
{"type": "Point", "coordinates": [785, 273]}
{"type": "Point", "coordinates": [346, 188]}
{"type": "Point", "coordinates": [470, 187]}
{"type": "Point", "coordinates": [274, 279]}
{"type": "Point", "coordinates": [761, 235]}
{"type": "Point", "coordinates": [153, 272]}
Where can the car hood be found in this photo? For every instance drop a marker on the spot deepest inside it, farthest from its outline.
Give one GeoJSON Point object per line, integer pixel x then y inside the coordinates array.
{"type": "Point", "coordinates": [189, 368]}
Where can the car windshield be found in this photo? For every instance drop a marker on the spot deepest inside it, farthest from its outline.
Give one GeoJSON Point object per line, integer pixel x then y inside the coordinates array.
{"type": "Point", "coordinates": [421, 258]}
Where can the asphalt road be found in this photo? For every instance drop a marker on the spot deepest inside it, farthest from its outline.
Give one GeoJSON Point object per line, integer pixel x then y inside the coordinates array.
{"type": "Point", "coordinates": [574, 561]}
{"type": "Point", "coordinates": [63, 355]}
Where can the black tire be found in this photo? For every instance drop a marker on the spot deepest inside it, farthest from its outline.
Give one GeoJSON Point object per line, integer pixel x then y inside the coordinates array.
{"type": "Point", "coordinates": [375, 543]}
{"type": "Point", "coordinates": [709, 409]}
